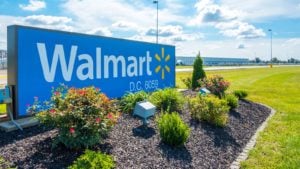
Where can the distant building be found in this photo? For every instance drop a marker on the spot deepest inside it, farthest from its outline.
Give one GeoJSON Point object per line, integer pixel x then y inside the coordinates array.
{"type": "Point", "coordinates": [211, 61]}
{"type": "Point", "coordinates": [3, 59]}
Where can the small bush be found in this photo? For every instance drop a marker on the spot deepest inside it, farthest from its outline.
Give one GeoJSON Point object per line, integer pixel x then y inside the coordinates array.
{"type": "Point", "coordinates": [216, 84]}
{"type": "Point", "coordinates": [93, 160]}
{"type": "Point", "coordinates": [241, 94]}
{"type": "Point", "coordinates": [187, 82]}
{"type": "Point", "coordinates": [129, 100]}
{"type": "Point", "coordinates": [210, 109]}
{"type": "Point", "coordinates": [198, 72]}
{"type": "Point", "coordinates": [167, 100]}
{"type": "Point", "coordinates": [232, 101]}
{"type": "Point", "coordinates": [83, 116]}
{"type": "Point", "coordinates": [172, 129]}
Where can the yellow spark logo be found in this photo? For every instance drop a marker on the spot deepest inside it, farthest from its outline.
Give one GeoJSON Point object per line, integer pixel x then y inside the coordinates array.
{"type": "Point", "coordinates": [162, 59]}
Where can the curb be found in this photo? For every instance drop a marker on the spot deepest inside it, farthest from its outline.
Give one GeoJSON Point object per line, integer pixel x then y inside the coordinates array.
{"type": "Point", "coordinates": [251, 143]}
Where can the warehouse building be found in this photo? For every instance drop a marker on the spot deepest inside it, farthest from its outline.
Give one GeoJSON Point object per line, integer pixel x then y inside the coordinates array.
{"type": "Point", "coordinates": [211, 61]}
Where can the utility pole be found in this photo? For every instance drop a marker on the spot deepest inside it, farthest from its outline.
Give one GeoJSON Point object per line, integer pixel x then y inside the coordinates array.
{"type": "Point", "coordinates": [156, 2]}
{"type": "Point", "coordinates": [270, 30]}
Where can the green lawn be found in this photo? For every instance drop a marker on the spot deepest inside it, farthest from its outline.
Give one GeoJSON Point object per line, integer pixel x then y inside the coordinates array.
{"type": "Point", "coordinates": [183, 67]}
{"type": "Point", "coordinates": [279, 145]}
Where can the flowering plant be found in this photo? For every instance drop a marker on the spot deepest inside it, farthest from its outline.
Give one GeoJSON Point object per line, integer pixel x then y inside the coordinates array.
{"type": "Point", "coordinates": [216, 84]}
{"type": "Point", "coordinates": [82, 115]}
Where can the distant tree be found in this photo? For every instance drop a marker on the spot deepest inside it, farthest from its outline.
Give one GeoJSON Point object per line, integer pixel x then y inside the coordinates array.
{"type": "Point", "coordinates": [293, 60]}
{"type": "Point", "coordinates": [275, 60]}
{"type": "Point", "coordinates": [257, 60]}
{"type": "Point", "coordinates": [198, 72]}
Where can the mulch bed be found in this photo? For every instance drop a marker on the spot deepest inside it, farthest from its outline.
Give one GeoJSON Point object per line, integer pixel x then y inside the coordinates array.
{"type": "Point", "coordinates": [134, 146]}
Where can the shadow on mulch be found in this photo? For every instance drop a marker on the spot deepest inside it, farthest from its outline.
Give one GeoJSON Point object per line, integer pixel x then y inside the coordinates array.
{"type": "Point", "coordinates": [45, 157]}
{"type": "Point", "coordinates": [179, 153]}
{"type": "Point", "coordinates": [220, 136]}
{"type": "Point", "coordinates": [10, 137]}
{"type": "Point", "coordinates": [59, 157]}
{"type": "Point", "coordinates": [235, 114]}
{"type": "Point", "coordinates": [143, 132]}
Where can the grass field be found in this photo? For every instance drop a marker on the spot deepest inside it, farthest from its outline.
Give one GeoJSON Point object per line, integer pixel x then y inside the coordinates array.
{"type": "Point", "coordinates": [279, 145]}
{"type": "Point", "coordinates": [183, 67]}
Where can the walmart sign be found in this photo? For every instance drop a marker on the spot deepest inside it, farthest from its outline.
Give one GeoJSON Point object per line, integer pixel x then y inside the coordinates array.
{"type": "Point", "coordinates": [40, 59]}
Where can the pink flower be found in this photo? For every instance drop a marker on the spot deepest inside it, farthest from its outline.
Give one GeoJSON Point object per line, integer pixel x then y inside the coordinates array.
{"type": "Point", "coordinates": [98, 120]}
{"type": "Point", "coordinates": [56, 93]}
{"type": "Point", "coordinates": [52, 111]}
{"type": "Point", "coordinates": [110, 116]}
{"type": "Point", "coordinates": [81, 92]}
{"type": "Point", "coordinates": [72, 130]}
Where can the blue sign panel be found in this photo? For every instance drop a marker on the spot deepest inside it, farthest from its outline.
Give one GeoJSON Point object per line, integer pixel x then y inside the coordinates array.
{"type": "Point", "coordinates": [40, 59]}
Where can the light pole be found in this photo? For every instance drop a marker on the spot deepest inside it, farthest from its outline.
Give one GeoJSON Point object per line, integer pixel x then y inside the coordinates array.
{"type": "Point", "coordinates": [270, 30]}
{"type": "Point", "coordinates": [156, 2]}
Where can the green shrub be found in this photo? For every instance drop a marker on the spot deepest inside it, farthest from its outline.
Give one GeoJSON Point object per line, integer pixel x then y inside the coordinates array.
{"type": "Point", "coordinates": [241, 94]}
{"type": "Point", "coordinates": [210, 109]}
{"type": "Point", "coordinates": [216, 84]}
{"type": "Point", "coordinates": [187, 82]}
{"type": "Point", "coordinates": [82, 116]}
{"type": "Point", "coordinates": [232, 101]}
{"type": "Point", "coordinates": [172, 129]}
{"type": "Point", "coordinates": [129, 100]}
{"type": "Point", "coordinates": [198, 72]}
{"type": "Point", "coordinates": [167, 100]}
{"type": "Point", "coordinates": [93, 160]}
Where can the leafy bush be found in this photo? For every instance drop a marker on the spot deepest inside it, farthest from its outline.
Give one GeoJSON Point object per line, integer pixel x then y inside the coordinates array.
{"type": "Point", "coordinates": [129, 100]}
{"type": "Point", "coordinates": [198, 72]}
{"type": "Point", "coordinates": [172, 129]}
{"type": "Point", "coordinates": [187, 82]}
{"type": "Point", "coordinates": [232, 101]}
{"type": "Point", "coordinates": [216, 84]}
{"type": "Point", "coordinates": [210, 109]}
{"type": "Point", "coordinates": [82, 116]}
{"type": "Point", "coordinates": [241, 94]}
{"type": "Point", "coordinates": [93, 160]}
{"type": "Point", "coordinates": [167, 100]}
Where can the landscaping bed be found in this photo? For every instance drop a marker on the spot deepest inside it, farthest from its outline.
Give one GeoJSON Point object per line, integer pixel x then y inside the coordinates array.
{"type": "Point", "coordinates": [134, 146]}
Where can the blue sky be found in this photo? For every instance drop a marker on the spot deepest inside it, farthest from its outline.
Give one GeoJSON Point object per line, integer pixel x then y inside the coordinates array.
{"type": "Point", "coordinates": [216, 28]}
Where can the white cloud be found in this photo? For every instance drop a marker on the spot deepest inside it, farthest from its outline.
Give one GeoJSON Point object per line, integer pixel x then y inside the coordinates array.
{"type": "Point", "coordinates": [169, 34]}
{"type": "Point", "coordinates": [208, 11]}
{"type": "Point", "coordinates": [261, 10]}
{"type": "Point", "coordinates": [47, 21]}
{"type": "Point", "coordinates": [240, 46]}
{"type": "Point", "coordinates": [165, 31]}
{"type": "Point", "coordinates": [33, 5]}
{"type": "Point", "coordinates": [125, 25]}
{"type": "Point", "coordinates": [118, 14]}
{"type": "Point", "coordinates": [42, 21]}
{"type": "Point", "coordinates": [101, 32]}
{"type": "Point", "coordinates": [243, 31]}
{"type": "Point", "coordinates": [227, 20]}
